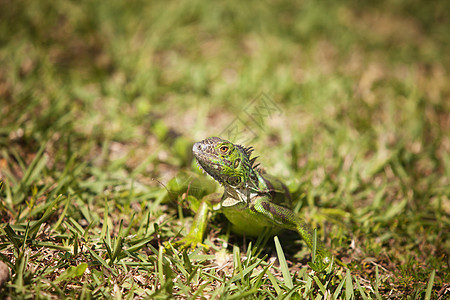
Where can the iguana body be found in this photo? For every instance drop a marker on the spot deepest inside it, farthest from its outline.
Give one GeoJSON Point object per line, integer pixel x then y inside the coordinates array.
{"type": "Point", "coordinates": [252, 200]}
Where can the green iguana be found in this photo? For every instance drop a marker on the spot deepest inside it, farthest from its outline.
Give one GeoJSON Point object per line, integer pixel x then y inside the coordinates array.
{"type": "Point", "coordinates": [252, 200]}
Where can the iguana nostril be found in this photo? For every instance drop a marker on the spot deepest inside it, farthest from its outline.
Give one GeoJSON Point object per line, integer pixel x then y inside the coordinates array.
{"type": "Point", "coordinates": [198, 147]}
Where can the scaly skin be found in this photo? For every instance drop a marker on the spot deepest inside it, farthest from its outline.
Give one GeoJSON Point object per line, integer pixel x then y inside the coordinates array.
{"type": "Point", "coordinates": [251, 200]}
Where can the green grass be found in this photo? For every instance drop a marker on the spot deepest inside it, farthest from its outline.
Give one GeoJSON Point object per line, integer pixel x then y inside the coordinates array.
{"type": "Point", "coordinates": [100, 104]}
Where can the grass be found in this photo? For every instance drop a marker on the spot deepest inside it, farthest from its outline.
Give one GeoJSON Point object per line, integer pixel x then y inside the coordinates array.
{"type": "Point", "coordinates": [100, 104]}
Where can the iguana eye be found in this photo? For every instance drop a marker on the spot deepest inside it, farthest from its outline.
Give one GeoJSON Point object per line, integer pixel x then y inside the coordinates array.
{"type": "Point", "coordinates": [224, 149]}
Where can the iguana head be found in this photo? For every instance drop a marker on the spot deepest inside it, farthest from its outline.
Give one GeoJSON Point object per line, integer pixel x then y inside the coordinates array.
{"type": "Point", "coordinates": [226, 162]}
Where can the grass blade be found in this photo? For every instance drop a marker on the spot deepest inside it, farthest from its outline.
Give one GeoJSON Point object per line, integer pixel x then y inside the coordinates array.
{"type": "Point", "coordinates": [349, 286]}
{"type": "Point", "coordinates": [360, 289]}
{"type": "Point", "coordinates": [430, 286]}
{"type": "Point", "coordinates": [283, 264]}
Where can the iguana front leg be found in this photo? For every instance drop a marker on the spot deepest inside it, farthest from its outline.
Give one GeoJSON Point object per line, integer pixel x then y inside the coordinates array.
{"type": "Point", "coordinates": [286, 218]}
{"type": "Point", "coordinates": [198, 228]}
{"type": "Point", "coordinates": [200, 223]}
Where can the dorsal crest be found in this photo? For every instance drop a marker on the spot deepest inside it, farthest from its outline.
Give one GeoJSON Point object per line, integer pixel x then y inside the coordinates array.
{"type": "Point", "coordinates": [251, 160]}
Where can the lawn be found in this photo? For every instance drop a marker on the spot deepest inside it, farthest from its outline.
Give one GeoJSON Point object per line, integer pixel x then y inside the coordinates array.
{"type": "Point", "coordinates": [101, 101]}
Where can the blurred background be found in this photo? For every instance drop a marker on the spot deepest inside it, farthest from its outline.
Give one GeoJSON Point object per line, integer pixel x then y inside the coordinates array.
{"type": "Point", "coordinates": [133, 73]}
{"type": "Point", "coordinates": [347, 101]}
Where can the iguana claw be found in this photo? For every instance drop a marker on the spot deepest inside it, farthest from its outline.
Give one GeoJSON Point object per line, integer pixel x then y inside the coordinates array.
{"type": "Point", "coordinates": [190, 242]}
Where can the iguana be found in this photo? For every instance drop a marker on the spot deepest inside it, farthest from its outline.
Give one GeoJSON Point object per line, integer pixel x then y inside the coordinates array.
{"type": "Point", "coordinates": [252, 200]}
